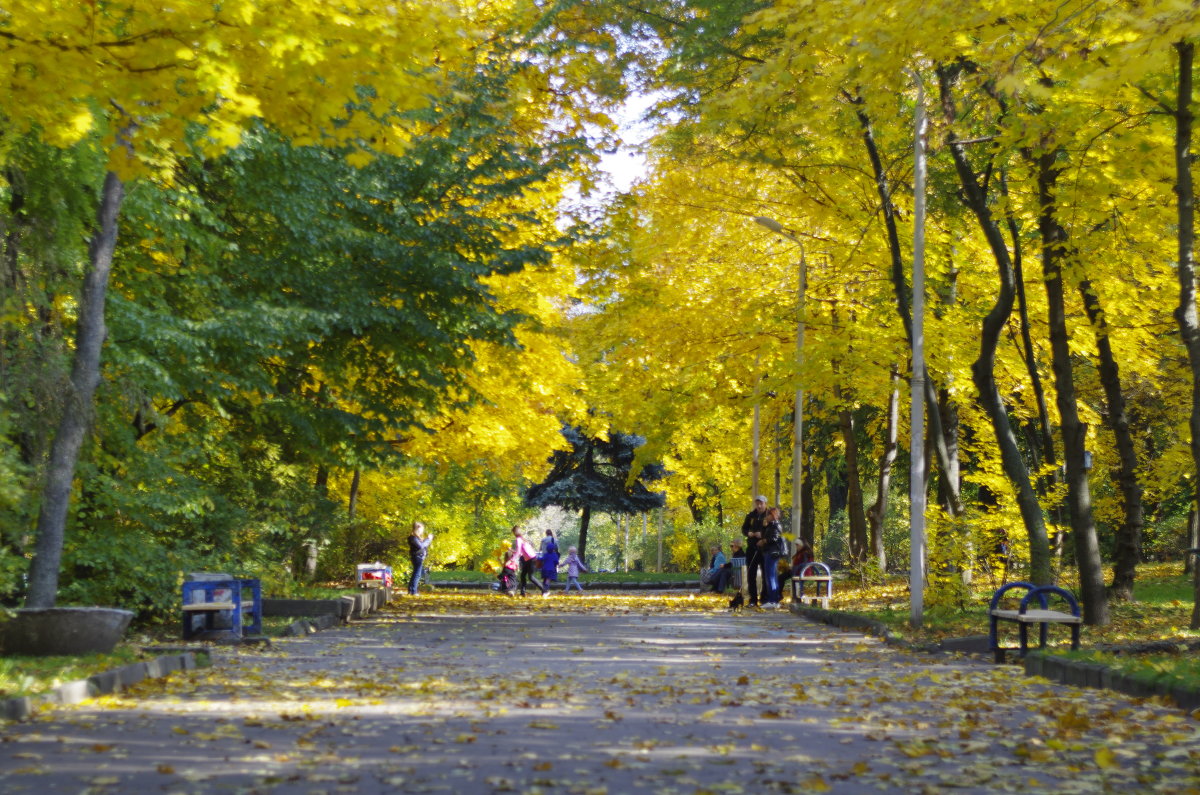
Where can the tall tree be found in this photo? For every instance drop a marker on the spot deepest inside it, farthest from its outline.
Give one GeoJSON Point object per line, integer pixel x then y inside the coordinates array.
{"type": "Point", "coordinates": [598, 473]}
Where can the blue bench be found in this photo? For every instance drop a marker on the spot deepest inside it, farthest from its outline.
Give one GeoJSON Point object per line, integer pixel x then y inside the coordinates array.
{"type": "Point", "coordinates": [1041, 615]}
{"type": "Point", "coordinates": [206, 600]}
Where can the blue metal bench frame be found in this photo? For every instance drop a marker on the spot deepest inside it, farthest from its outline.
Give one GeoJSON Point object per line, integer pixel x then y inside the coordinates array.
{"type": "Point", "coordinates": [1039, 592]}
{"type": "Point", "coordinates": [237, 606]}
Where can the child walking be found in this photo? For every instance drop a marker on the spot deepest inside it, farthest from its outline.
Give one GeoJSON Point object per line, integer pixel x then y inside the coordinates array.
{"type": "Point", "coordinates": [574, 565]}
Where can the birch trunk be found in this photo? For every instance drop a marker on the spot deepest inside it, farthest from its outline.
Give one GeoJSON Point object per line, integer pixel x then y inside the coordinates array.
{"type": "Point", "coordinates": [77, 410]}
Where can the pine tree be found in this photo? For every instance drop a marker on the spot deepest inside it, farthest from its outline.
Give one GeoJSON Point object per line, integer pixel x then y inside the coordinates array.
{"type": "Point", "coordinates": [594, 475]}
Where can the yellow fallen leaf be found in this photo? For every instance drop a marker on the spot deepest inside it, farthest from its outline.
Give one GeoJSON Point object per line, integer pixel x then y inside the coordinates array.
{"type": "Point", "coordinates": [1105, 759]}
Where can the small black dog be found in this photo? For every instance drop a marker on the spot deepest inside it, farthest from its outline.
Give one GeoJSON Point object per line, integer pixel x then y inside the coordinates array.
{"type": "Point", "coordinates": [737, 601]}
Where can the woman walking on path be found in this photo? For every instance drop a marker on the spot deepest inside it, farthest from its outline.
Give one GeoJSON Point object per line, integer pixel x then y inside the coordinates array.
{"type": "Point", "coordinates": [574, 565]}
{"type": "Point", "coordinates": [771, 547]}
{"type": "Point", "coordinates": [418, 546]}
{"type": "Point", "coordinates": [525, 553]}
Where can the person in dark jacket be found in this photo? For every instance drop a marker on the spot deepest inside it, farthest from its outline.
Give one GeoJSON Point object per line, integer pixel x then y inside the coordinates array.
{"type": "Point", "coordinates": [418, 546]}
{"type": "Point", "coordinates": [771, 548]}
{"type": "Point", "coordinates": [752, 529]}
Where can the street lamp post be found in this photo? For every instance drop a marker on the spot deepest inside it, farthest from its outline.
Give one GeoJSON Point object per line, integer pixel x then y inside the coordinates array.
{"type": "Point", "coordinates": [798, 408]}
{"type": "Point", "coordinates": [917, 463]}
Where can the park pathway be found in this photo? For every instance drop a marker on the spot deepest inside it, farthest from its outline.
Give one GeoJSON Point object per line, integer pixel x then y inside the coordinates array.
{"type": "Point", "coordinates": [485, 695]}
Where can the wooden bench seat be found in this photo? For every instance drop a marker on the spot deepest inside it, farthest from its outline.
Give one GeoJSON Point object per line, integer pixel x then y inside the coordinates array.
{"type": "Point", "coordinates": [203, 607]}
{"type": "Point", "coordinates": [821, 578]}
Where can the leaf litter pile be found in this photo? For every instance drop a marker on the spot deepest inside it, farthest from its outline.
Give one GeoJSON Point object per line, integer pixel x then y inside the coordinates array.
{"type": "Point", "coordinates": [598, 694]}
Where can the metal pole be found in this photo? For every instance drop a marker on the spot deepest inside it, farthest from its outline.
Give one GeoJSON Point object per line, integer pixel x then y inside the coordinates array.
{"type": "Point", "coordinates": [798, 407]}
{"type": "Point", "coordinates": [916, 488]}
{"type": "Point", "coordinates": [754, 463]}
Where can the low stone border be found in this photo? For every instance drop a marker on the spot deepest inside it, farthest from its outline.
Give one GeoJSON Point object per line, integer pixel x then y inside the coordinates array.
{"type": "Point", "coordinates": [307, 626]}
{"type": "Point", "coordinates": [102, 683]}
{"type": "Point", "coordinates": [353, 605]}
{"type": "Point", "coordinates": [1085, 674]}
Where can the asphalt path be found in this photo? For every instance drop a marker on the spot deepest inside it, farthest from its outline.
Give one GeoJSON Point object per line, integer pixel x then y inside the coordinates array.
{"type": "Point", "coordinates": [484, 695]}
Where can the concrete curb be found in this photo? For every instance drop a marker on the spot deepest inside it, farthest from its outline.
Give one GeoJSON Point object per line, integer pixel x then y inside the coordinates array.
{"type": "Point", "coordinates": [307, 626]}
{"type": "Point", "coordinates": [102, 684]}
{"type": "Point", "coordinates": [344, 608]}
{"type": "Point", "coordinates": [1080, 673]}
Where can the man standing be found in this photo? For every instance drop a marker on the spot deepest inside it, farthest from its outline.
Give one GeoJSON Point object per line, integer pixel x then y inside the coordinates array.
{"type": "Point", "coordinates": [418, 545]}
{"type": "Point", "coordinates": [752, 529]}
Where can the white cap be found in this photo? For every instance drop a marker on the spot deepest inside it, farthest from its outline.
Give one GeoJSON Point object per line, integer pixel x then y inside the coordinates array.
{"type": "Point", "coordinates": [760, 498]}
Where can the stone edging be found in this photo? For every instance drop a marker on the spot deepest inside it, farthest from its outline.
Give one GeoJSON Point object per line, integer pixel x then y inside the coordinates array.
{"type": "Point", "coordinates": [307, 626]}
{"type": "Point", "coordinates": [102, 683]}
{"type": "Point", "coordinates": [1085, 674]}
{"type": "Point", "coordinates": [353, 605]}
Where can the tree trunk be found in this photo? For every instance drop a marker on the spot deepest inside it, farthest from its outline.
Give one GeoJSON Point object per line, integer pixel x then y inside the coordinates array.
{"type": "Point", "coordinates": [1191, 562]}
{"type": "Point", "coordinates": [312, 547]}
{"type": "Point", "coordinates": [808, 519]}
{"type": "Point", "coordinates": [947, 459]}
{"type": "Point", "coordinates": [1074, 431]}
{"type": "Point", "coordinates": [693, 504]}
{"type": "Point", "coordinates": [1044, 437]}
{"type": "Point", "coordinates": [1128, 551]}
{"type": "Point", "coordinates": [1186, 314]}
{"type": "Point", "coordinates": [854, 497]}
{"type": "Point", "coordinates": [584, 520]}
{"type": "Point", "coordinates": [878, 511]}
{"type": "Point", "coordinates": [77, 408]}
{"type": "Point", "coordinates": [983, 368]}
{"type": "Point", "coordinates": [355, 482]}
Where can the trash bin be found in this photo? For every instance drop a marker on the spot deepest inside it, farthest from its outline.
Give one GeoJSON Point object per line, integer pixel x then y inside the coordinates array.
{"type": "Point", "coordinates": [374, 575]}
{"type": "Point", "coordinates": [737, 574]}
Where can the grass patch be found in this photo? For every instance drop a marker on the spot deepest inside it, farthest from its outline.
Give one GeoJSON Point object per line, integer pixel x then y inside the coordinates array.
{"type": "Point", "coordinates": [27, 676]}
{"type": "Point", "coordinates": [1162, 610]}
{"type": "Point", "coordinates": [1173, 670]}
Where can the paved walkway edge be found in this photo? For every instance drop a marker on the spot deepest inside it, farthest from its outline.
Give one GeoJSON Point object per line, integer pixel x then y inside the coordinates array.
{"type": "Point", "coordinates": [102, 684]}
{"type": "Point", "coordinates": [851, 621]}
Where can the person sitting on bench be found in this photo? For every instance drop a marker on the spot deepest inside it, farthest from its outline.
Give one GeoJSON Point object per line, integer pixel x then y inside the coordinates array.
{"type": "Point", "coordinates": [718, 571]}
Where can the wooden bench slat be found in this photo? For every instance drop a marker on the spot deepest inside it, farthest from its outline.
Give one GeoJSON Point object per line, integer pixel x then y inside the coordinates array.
{"type": "Point", "coordinates": [1037, 616]}
{"type": "Point", "coordinates": [204, 606]}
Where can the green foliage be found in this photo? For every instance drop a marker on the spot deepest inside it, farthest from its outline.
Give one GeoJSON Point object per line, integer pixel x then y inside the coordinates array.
{"type": "Point", "coordinates": [600, 474]}
{"type": "Point", "coordinates": [277, 317]}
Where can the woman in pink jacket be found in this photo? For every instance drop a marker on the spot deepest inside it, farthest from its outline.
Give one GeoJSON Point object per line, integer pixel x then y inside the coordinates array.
{"type": "Point", "coordinates": [524, 552]}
